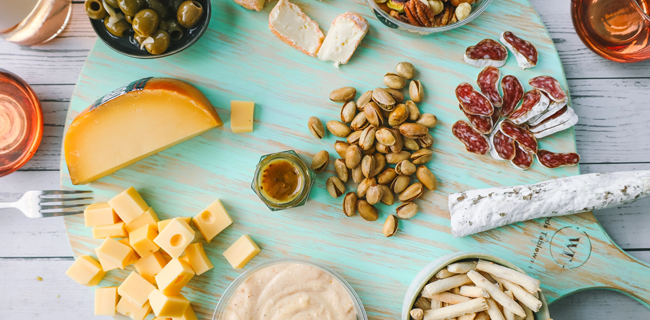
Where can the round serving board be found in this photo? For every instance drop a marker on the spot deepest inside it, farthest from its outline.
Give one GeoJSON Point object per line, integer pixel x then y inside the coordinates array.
{"type": "Point", "coordinates": [238, 58]}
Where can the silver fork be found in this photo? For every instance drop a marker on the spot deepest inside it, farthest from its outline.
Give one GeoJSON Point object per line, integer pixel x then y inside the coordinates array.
{"type": "Point", "coordinates": [50, 203]}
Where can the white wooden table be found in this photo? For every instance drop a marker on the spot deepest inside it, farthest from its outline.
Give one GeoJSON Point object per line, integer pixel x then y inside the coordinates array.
{"type": "Point", "coordinates": [612, 135]}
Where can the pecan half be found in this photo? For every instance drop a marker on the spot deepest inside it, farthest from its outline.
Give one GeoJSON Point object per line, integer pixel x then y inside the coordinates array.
{"type": "Point", "coordinates": [417, 11]}
{"type": "Point", "coordinates": [443, 18]}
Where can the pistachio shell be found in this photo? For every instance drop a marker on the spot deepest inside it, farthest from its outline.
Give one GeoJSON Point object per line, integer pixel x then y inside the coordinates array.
{"type": "Point", "coordinates": [374, 194]}
{"type": "Point", "coordinates": [421, 156]}
{"type": "Point", "coordinates": [400, 183]}
{"type": "Point", "coordinates": [398, 115]}
{"type": "Point", "coordinates": [380, 163]}
{"type": "Point", "coordinates": [348, 111]}
{"type": "Point", "coordinates": [338, 128]}
{"type": "Point", "coordinates": [399, 141]}
{"type": "Point", "coordinates": [335, 186]}
{"type": "Point", "coordinates": [385, 136]}
{"type": "Point", "coordinates": [428, 120]}
{"type": "Point", "coordinates": [397, 157]}
{"type": "Point", "coordinates": [426, 141]}
{"type": "Point", "coordinates": [363, 186]}
{"type": "Point", "coordinates": [427, 178]}
{"type": "Point", "coordinates": [364, 99]}
{"type": "Point", "coordinates": [387, 176]}
{"type": "Point", "coordinates": [406, 70]}
{"type": "Point", "coordinates": [396, 94]}
{"type": "Point", "coordinates": [411, 130]}
{"type": "Point", "coordinates": [368, 166]}
{"type": "Point", "coordinates": [367, 138]}
{"type": "Point", "coordinates": [411, 193]}
{"type": "Point", "coordinates": [407, 210]}
{"type": "Point", "coordinates": [405, 167]}
{"type": "Point", "coordinates": [353, 138]}
{"type": "Point", "coordinates": [359, 122]}
{"type": "Point", "coordinates": [353, 156]}
{"type": "Point", "coordinates": [357, 174]}
{"type": "Point", "coordinates": [416, 91]}
{"type": "Point", "coordinates": [390, 226]}
{"type": "Point", "coordinates": [320, 161]}
{"type": "Point", "coordinates": [350, 204]}
{"type": "Point", "coordinates": [370, 151]}
{"type": "Point", "coordinates": [411, 144]}
{"type": "Point", "coordinates": [414, 111]}
{"type": "Point", "coordinates": [367, 211]}
{"type": "Point", "coordinates": [374, 114]}
{"type": "Point", "coordinates": [394, 81]}
{"type": "Point", "coordinates": [341, 148]}
{"type": "Point", "coordinates": [316, 127]}
{"type": "Point", "coordinates": [342, 170]}
{"type": "Point", "coordinates": [388, 198]}
{"type": "Point", "coordinates": [344, 94]}
{"type": "Point", "coordinates": [382, 148]}
{"type": "Point", "coordinates": [383, 99]}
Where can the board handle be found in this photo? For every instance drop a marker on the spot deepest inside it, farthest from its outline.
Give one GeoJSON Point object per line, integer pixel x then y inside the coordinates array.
{"type": "Point", "coordinates": [625, 274]}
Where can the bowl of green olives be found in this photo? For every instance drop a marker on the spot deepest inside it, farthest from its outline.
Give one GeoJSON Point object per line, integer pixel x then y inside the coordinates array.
{"type": "Point", "coordinates": [149, 29]}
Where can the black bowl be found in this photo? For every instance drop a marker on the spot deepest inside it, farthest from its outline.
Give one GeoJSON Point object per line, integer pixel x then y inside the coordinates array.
{"type": "Point", "coordinates": [127, 45]}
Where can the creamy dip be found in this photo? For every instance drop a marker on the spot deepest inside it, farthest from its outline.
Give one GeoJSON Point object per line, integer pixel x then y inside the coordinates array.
{"type": "Point", "coordinates": [291, 291]}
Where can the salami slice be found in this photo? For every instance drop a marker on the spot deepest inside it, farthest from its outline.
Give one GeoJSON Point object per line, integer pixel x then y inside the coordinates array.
{"type": "Point", "coordinates": [486, 53]}
{"type": "Point", "coordinates": [513, 92]}
{"type": "Point", "coordinates": [534, 103]}
{"type": "Point", "coordinates": [523, 159]}
{"type": "Point", "coordinates": [520, 134]}
{"type": "Point", "coordinates": [550, 86]}
{"type": "Point", "coordinates": [482, 124]}
{"type": "Point", "coordinates": [553, 107]}
{"type": "Point", "coordinates": [488, 83]}
{"type": "Point", "coordinates": [503, 146]}
{"type": "Point", "coordinates": [474, 141]}
{"type": "Point", "coordinates": [472, 101]}
{"type": "Point", "coordinates": [524, 51]}
{"type": "Point", "coordinates": [555, 160]}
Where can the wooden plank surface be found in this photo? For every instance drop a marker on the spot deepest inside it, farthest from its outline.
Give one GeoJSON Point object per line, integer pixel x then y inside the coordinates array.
{"type": "Point", "coordinates": [597, 82]}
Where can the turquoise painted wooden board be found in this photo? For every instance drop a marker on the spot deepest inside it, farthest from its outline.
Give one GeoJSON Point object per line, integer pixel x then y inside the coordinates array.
{"type": "Point", "coordinates": [239, 59]}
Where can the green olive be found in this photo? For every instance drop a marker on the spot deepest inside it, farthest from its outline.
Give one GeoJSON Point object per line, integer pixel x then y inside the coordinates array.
{"type": "Point", "coordinates": [139, 38]}
{"type": "Point", "coordinates": [116, 26]}
{"type": "Point", "coordinates": [160, 6]}
{"type": "Point", "coordinates": [173, 28]}
{"type": "Point", "coordinates": [129, 19]}
{"type": "Point", "coordinates": [95, 9]}
{"type": "Point", "coordinates": [112, 3]}
{"type": "Point", "coordinates": [130, 7]}
{"type": "Point", "coordinates": [159, 44]}
{"type": "Point", "coordinates": [145, 22]}
{"type": "Point", "coordinates": [189, 13]}
{"type": "Point", "coordinates": [175, 4]}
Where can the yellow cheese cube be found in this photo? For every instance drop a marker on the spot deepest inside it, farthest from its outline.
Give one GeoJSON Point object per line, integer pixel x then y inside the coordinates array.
{"type": "Point", "coordinates": [134, 257]}
{"type": "Point", "coordinates": [242, 251]}
{"type": "Point", "coordinates": [99, 214]}
{"type": "Point", "coordinates": [149, 266]}
{"type": "Point", "coordinates": [131, 310]}
{"type": "Point", "coordinates": [175, 237]}
{"type": "Point", "coordinates": [241, 116]}
{"type": "Point", "coordinates": [114, 254]}
{"type": "Point", "coordinates": [163, 223]}
{"type": "Point", "coordinates": [116, 230]}
{"type": "Point", "coordinates": [142, 240]}
{"type": "Point", "coordinates": [212, 220]}
{"type": "Point", "coordinates": [148, 217]}
{"type": "Point", "coordinates": [174, 276]}
{"type": "Point", "coordinates": [196, 257]}
{"type": "Point", "coordinates": [188, 315]}
{"type": "Point", "coordinates": [168, 305]}
{"type": "Point", "coordinates": [128, 204]}
{"type": "Point", "coordinates": [136, 289]}
{"type": "Point", "coordinates": [105, 301]}
{"type": "Point", "coordinates": [86, 270]}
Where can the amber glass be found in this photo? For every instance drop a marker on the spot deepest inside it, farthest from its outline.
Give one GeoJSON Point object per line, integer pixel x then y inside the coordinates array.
{"type": "Point", "coordinates": [618, 30]}
{"type": "Point", "coordinates": [21, 122]}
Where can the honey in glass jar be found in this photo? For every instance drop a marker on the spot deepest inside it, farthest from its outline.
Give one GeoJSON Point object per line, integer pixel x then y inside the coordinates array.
{"type": "Point", "coordinates": [282, 180]}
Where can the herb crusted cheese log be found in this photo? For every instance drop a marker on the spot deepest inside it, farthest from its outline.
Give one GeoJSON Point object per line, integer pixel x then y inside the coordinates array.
{"type": "Point", "coordinates": [484, 209]}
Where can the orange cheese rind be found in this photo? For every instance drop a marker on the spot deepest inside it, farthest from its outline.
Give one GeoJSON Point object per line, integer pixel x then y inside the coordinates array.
{"type": "Point", "coordinates": [256, 5]}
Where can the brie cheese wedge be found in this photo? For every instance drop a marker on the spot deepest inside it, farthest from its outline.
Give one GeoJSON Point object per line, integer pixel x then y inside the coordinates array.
{"type": "Point", "coordinates": [343, 38]}
{"type": "Point", "coordinates": [256, 5]}
{"type": "Point", "coordinates": [295, 28]}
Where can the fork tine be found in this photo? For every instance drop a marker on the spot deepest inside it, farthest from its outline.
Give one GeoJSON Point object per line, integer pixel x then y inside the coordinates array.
{"type": "Point", "coordinates": [52, 192]}
{"type": "Point", "coordinates": [43, 199]}
{"type": "Point", "coordinates": [59, 213]}
{"type": "Point", "coordinates": [63, 206]}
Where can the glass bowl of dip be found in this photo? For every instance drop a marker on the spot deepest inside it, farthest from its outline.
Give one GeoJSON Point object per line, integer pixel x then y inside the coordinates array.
{"type": "Point", "coordinates": [318, 283]}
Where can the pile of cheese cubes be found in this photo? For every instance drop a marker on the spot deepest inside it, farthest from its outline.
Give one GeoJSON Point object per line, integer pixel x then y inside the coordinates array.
{"type": "Point", "coordinates": [162, 252]}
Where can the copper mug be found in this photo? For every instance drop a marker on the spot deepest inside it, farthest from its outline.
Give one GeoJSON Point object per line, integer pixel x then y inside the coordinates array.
{"type": "Point", "coordinates": [29, 22]}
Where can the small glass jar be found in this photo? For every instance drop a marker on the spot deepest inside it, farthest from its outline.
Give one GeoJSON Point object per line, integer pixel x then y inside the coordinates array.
{"type": "Point", "coordinates": [283, 180]}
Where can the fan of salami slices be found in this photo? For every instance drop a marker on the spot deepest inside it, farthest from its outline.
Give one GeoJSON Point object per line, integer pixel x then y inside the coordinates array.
{"type": "Point", "coordinates": [508, 125]}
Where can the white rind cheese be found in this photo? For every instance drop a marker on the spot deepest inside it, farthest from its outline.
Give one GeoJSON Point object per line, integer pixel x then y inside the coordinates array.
{"type": "Point", "coordinates": [482, 63]}
{"type": "Point", "coordinates": [342, 39]}
{"type": "Point", "coordinates": [484, 209]}
{"type": "Point", "coordinates": [561, 127]}
{"type": "Point", "coordinates": [295, 28]}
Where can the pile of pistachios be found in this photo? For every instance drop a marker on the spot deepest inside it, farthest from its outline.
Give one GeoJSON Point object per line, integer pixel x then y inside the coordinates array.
{"type": "Point", "coordinates": [387, 141]}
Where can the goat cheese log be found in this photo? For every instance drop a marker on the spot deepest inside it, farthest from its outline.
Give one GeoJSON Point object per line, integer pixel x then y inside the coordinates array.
{"type": "Point", "coordinates": [480, 210]}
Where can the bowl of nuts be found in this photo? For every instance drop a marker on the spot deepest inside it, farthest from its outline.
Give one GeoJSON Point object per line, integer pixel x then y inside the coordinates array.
{"type": "Point", "coordinates": [425, 17]}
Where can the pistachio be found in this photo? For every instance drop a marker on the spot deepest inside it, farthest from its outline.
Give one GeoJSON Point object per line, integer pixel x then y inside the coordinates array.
{"type": "Point", "coordinates": [427, 178]}
{"type": "Point", "coordinates": [344, 94]}
{"type": "Point", "coordinates": [353, 138]}
{"type": "Point", "coordinates": [320, 161]}
{"type": "Point", "coordinates": [414, 111]}
{"type": "Point", "coordinates": [387, 176]}
{"type": "Point", "coordinates": [380, 163]}
{"type": "Point", "coordinates": [338, 128]}
{"type": "Point", "coordinates": [350, 204]}
{"type": "Point", "coordinates": [411, 144]}
{"type": "Point", "coordinates": [370, 151]}
{"type": "Point", "coordinates": [363, 186]}
{"type": "Point", "coordinates": [388, 198]}
{"type": "Point", "coordinates": [385, 136]}
{"type": "Point", "coordinates": [416, 91]}
{"type": "Point", "coordinates": [398, 115]}
{"type": "Point", "coordinates": [335, 186]}
{"type": "Point", "coordinates": [368, 166]}
{"type": "Point", "coordinates": [428, 120]}
{"type": "Point", "coordinates": [348, 111]}
{"type": "Point", "coordinates": [396, 94]}
{"type": "Point", "coordinates": [316, 127]}
{"type": "Point", "coordinates": [383, 99]}
{"type": "Point", "coordinates": [405, 167]}
{"type": "Point", "coordinates": [426, 141]}
{"type": "Point", "coordinates": [367, 138]}
{"type": "Point", "coordinates": [405, 70]}
{"type": "Point", "coordinates": [364, 99]}
{"type": "Point", "coordinates": [342, 170]}
{"type": "Point", "coordinates": [357, 175]}
{"type": "Point", "coordinates": [409, 130]}
{"type": "Point", "coordinates": [397, 157]}
{"type": "Point", "coordinates": [407, 210]}
{"type": "Point", "coordinates": [359, 122]}
{"type": "Point", "coordinates": [411, 193]}
{"type": "Point", "coordinates": [390, 226]}
{"type": "Point", "coordinates": [394, 81]}
{"type": "Point", "coordinates": [400, 183]}
{"type": "Point", "coordinates": [382, 148]}
{"type": "Point", "coordinates": [341, 148]}
{"type": "Point", "coordinates": [399, 141]}
{"type": "Point", "coordinates": [374, 194]}
{"type": "Point", "coordinates": [374, 114]}
{"type": "Point", "coordinates": [367, 211]}
{"type": "Point", "coordinates": [421, 156]}
{"type": "Point", "coordinates": [353, 156]}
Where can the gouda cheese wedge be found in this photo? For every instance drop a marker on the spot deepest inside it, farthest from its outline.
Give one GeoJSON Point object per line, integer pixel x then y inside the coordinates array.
{"type": "Point", "coordinates": [99, 214]}
{"type": "Point", "coordinates": [242, 251]}
{"type": "Point", "coordinates": [86, 271]}
{"type": "Point", "coordinates": [241, 116]}
{"type": "Point", "coordinates": [212, 220]}
{"type": "Point", "coordinates": [168, 305]}
{"type": "Point", "coordinates": [105, 301]}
